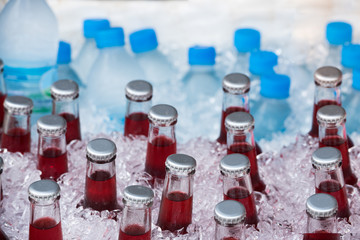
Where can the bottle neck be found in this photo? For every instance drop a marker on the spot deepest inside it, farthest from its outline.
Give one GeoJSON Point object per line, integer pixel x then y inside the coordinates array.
{"type": "Point", "coordinates": [136, 218]}
{"type": "Point", "coordinates": [241, 139]}
{"type": "Point", "coordinates": [45, 213]}
{"type": "Point", "coordinates": [162, 135]}
{"type": "Point", "coordinates": [178, 186]}
{"type": "Point", "coordinates": [133, 107]}
{"type": "Point", "coordinates": [16, 124]}
{"type": "Point", "coordinates": [238, 101]}
{"type": "Point", "coordinates": [2, 84]}
{"type": "Point", "coordinates": [331, 131]}
{"type": "Point", "coordinates": [235, 231]}
{"type": "Point", "coordinates": [100, 171]}
{"type": "Point", "coordinates": [329, 180]}
{"type": "Point", "coordinates": [63, 108]}
{"type": "Point", "coordinates": [202, 68]}
{"type": "Point", "coordinates": [327, 224]}
{"type": "Point", "coordinates": [51, 145]}
{"type": "Point", "coordinates": [237, 187]}
{"type": "Point", "coordinates": [327, 96]}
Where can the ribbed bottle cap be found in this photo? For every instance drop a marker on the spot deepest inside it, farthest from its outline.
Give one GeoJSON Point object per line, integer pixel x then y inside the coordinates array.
{"type": "Point", "coordinates": [101, 150]}
{"type": "Point", "coordinates": [328, 76]}
{"type": "Point", "coordinates": [1, 66]}
{"type": "Point", "coordinates": [321, 205]}
{"type": "Point", "coordinates": [163, 114]}
{"type": "Point", "coordinates": [44, 190]}
{"type": "Point", "coordinates": [327, 158]}
{"type": "Point", "coordinates": [338, 33]}
{"type": "Point", "coordinates": [137, 194]}
{"type": "Point", "coordinates": [229, 212]}
{"type": "Point", "coordinates": [239, 121]}
{"type": "Point", "coordinates": [332, 114]}
{"type": "Point", "coordinates": [247, 39]}
{"type": "Point", "coordinates": [236, 83]}
{"type": "Point", "coordinates": [64, 53]}
{"type": "Point", "coordinates": [180, 164]}
{"type": "Point", "coordinates": [235, 165]}
{"type": "Point", "coordinates": [18, 104]}
{"type": "Point", "coordinates": [51, 125]}
{"type": "Point", "coordinates": [262, 62]}
{"type": "Point", "coordinates": [356, 79]}
{"type": "Point", "coordinates": [143, 40]}
{"type": "Point", "coordinates": [64, 90]}
{"type": "Point", "coordinates": [112, 37]}
{"type": "Point", "coordinates": [139, 90]}
{"type": "Point", "coordinates": [276, 86]}
{"type": "Point", "coordinates": [1, 165]}
{"type": "Point", "coordinates": [350, 55]}
{"type": "Point", "coordinates": [92, 26]}
{"type": "Point", "coordinates": [202, 55]}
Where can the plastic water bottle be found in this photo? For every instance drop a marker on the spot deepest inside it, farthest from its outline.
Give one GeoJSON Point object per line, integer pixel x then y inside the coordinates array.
{"type": "Point", "coordinates": [351, 103]}
{"type": "Point", "coordinates": [350, 58]}
{"type": "Point", "coordinates": [88, 53]}
{"type": "Point", "coordinates": [29, 46]}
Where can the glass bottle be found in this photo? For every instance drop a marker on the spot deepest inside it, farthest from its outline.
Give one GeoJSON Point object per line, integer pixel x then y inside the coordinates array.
{"type": "Point", "coordinates": [65, 94]}
{"type": "Point", "coordinates": [16, 133]}
{"type": "Point", "coordinates": [138, 103]}
{"type": "Point", "coordinates": [1, 172]}
{"type": "Point", "coordinates": [229, 218]}
{"type": "Point", "coordinates": [2, 92]}
{"type": "Point", "coordinates": [136, 217]}
{"type": "Point", "coordinates": [161, 140]}
{"type": "Point", "coordinates": [45, 220]}
{"type": "Point", "coordinates": [52, 154]}
{"type": "Point", "coordinates": [240, 139]}
{"type": "Point", "coordinates": [177, 198]}
{"type": "Point", "coordinates": [235, 170]}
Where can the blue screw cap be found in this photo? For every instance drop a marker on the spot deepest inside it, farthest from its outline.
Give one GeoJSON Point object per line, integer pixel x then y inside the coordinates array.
{"type": "Point", "coordinates": [262, 62]}
{"type": "Point", "coordinates": [350, 56]}
{"type": "Point", "coordinates": [92, 26]}
{"type": "Point", "coordinates": [247, 40]}
{"type": "Point", "coordinates": [113, 37]}
{"type": "Point", "coordinates": [338, 33]}
{"type": "Point", "coordinates": [356, 79]}
{"type": "Point", "coordinates": [275, 86]}
{"type": "Point", "coordinates": [64, 53]}
{"type": "Point", "coordinates": [201, 55]}
{"type": "Point", "coordinates": [143, 41]}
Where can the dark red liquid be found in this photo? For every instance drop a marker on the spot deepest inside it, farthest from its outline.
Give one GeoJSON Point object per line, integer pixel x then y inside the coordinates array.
{"type": "Point", "coordinates": [339, 143]}
{"type": "Point", "coordinates": [157, 152]}
{"type": "Point", "coordinates": [3, 235]}
{"type": "Point", "coordinates": [175, 211]}
{"type": "Point", "coordinates": [241, 194]}
{"type": "Point", "coordinates": [249, 151]}
{"type": "Point", "coordinates": [321, 236]}
{"type": "Point", "coordinates": [334, 188]}
{"type": "Point", "coordinates": [100, 191]}
{"type": "Point", "coordinates": [2, 99]}
{"type": "Point", "coordinates": [229, 238]}
{"type": "Point", "coordinates": [72, 128]}
{"type": "Point", "coordinates": [136, 124]}
{"type": "Point", "coordinates": [134, 232]}
{"type": "Point", "coordinates": [52, 163]}
{"type": "Point", "coordinates": [45, 229]}
{"type": "Point", "coordinates": [16, 140]}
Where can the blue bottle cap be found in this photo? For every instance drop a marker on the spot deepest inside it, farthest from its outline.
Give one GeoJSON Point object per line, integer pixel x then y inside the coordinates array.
{"type": "Point", "coordinates": [350, 56]}
{"type": "Point", "coordinates": [275, 86]}
{"type": "Point", "coordinates": [143, 41]}
{"type": "Point", "coordinates": [356, 79]}
{"type": "Point", "coordinates": [338, 33]}
{"type": "Point", "coordinates": [112, 37]}
{"type": "Point", "coordinates": [262, 62]}
{"type": "Point", "coordinates": [200, 55]}
{"type": "Point", "coordinates": [92, 26]}
{"type": "Point", "coordinates": [247, 40]}
{"type": "Point", "coordinates": [64, 53]}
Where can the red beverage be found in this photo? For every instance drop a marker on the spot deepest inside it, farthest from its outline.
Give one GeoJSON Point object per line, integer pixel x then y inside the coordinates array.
{"type": "Point", "coordinates": [72, 127]}
{"type": "Point", "coordinates": [16, 140]}
{"type": "Point", "coordinates": [45, 229]}
{"type": "Point", "coordinates": [175, 211]}
{"type": "Point", "coordinates": [229, 238]}
{"type": "Point", "coordinates": [100, 191]}
{"type": "Point", "coordinates": [134, 232]}
{"type": "Point", "coordinates": [2, 99]}
{"type": "Point", "coordinates": [249, 151]}
{"type": "Point", "coordinates": [314, 132]}
{"type": "Point", "coordinates": [334, 188]}
{"type": "Point", "coordinates": [241, 194]}
{"type": "Point", "coordinates": [157, 152]}
{"type": "Point", "coordinates": [52, 163]}
{"type": "Point", "coordinates": [3, 235]}
{"type": "Point", "coordinates": [339, 143]}
{"type": "Point", "coordinates": [136, 124]}
{"type": "Point", "coordinates": [322, 235]}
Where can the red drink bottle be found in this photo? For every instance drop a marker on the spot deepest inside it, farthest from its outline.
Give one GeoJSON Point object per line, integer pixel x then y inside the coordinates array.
{"type": "Point", "coordinates": [235, 169]}
{"type": "Point", "coordinates": [240, 139]}
{"type": "Point", "coordinates": [1, 171]}
{"type": "Point", "coordinates": [52, 155]}
{"type": "Point", "coordinates": [236, 87]}
{"type": "Point", "coordinates": [177, 197]}
{"type": "Point", "coordinates": [327, 92]}
{"type": "Point", "coordinates": [65, 94]}
{"type": "Point", "coordinates": [100, 184]}
{"type": "Point", "coordinates": [321, 210]}
{"type": "Point", "coordinates": [136, 217]}
{"type": "Point", "coordinates": [229, 218]}
{"type": "Point", "coordinates": [16, 135]}
{"type": "Point", "coordinates": [45, 221]}
{"type": "Point", "coordinates": [138, 95]}
{"type": "Point", "coordinates": [161, 140]}
{"type": "Point", "coordinates": [332, 133]}
{"type": "Point", "coordinates": [2, 92]}
{"type": "Point", "coordinates": [329, 177]}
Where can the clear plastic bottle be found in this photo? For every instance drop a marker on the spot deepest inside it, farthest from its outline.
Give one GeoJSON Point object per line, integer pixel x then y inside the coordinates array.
{"type": "Point", "coordinates": [351, 103]}
{"type": "Point", "coordinates": [350, 57]}
{"type": "Point", "coordinates": [2, 92]}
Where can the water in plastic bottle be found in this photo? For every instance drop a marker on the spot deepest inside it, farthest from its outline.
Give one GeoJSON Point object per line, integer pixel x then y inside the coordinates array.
{"type": "Point", "coordinates": [350, 58]}
{"type": "Point", "coordinates": [351, 103]}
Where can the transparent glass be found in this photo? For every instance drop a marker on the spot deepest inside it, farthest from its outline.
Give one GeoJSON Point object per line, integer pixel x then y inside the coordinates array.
{"type": "Point", "coordinates": [16, 121]}
{"type": "Point", "coordinates": [45, 209]}
{"type": "Point", "coordinates": [68, 106]}
{"type": "Point", "coordinates": [324, 224]}
{"type": "Point", "coordinates": [238, 136]}
{"type": "Point", "coordinates": [230, 183]}
{"type": "Point", "coordinates": [161, 131]}
{"type": "Point", "coordinates": [324, 93]}
{"type": "Point", "coordinates": [48, 142]}
{"type": "Point", "coordinates": [137, 107]}
{"type": "Point", "coordinates": [136, 216]}
{"type": "Point", "coordinates": [231, 232]}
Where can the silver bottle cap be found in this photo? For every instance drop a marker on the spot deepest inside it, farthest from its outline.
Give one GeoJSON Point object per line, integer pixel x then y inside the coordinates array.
{"type": "Point", "coordinates": [44, 190]}
{"type": "Point", "coordinates": [51, 125]}
{"type": "Point", "coordinates": [235, 165]}
{"type": "Point", "coordinates": [139, 90]}
{"type": "Point", "coordinates": [137, 194]}
{"type": "Point", "coordinates": [163, 114]}
{"type": "Point", "coordinates": [236, 83]}
{"type": "Point", "coordinates": [321, 205]}
{"type": "Point", "coordinates": [101, 150]}
{"type": "Point", "coordinates": [1, 65]}
{"type": "Point", "coordinates": [18, 105]}
{"type": "Point", "coordinates": [239, 121]}
{"type": "Point", "coordinates": [180, 164]}
{"type": "Point", "coordinates": [328, 76]}
{"type": "Point", "coordinates": [229, 212]}
{"type": "Point", "coordinates": [327, 158]}
{"type": "Point", "coordinates": [1, 165]}
{"type": "Point", "coordinates": [332, 114]}
{"type": "Point", "coordinates": [64, 90]}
